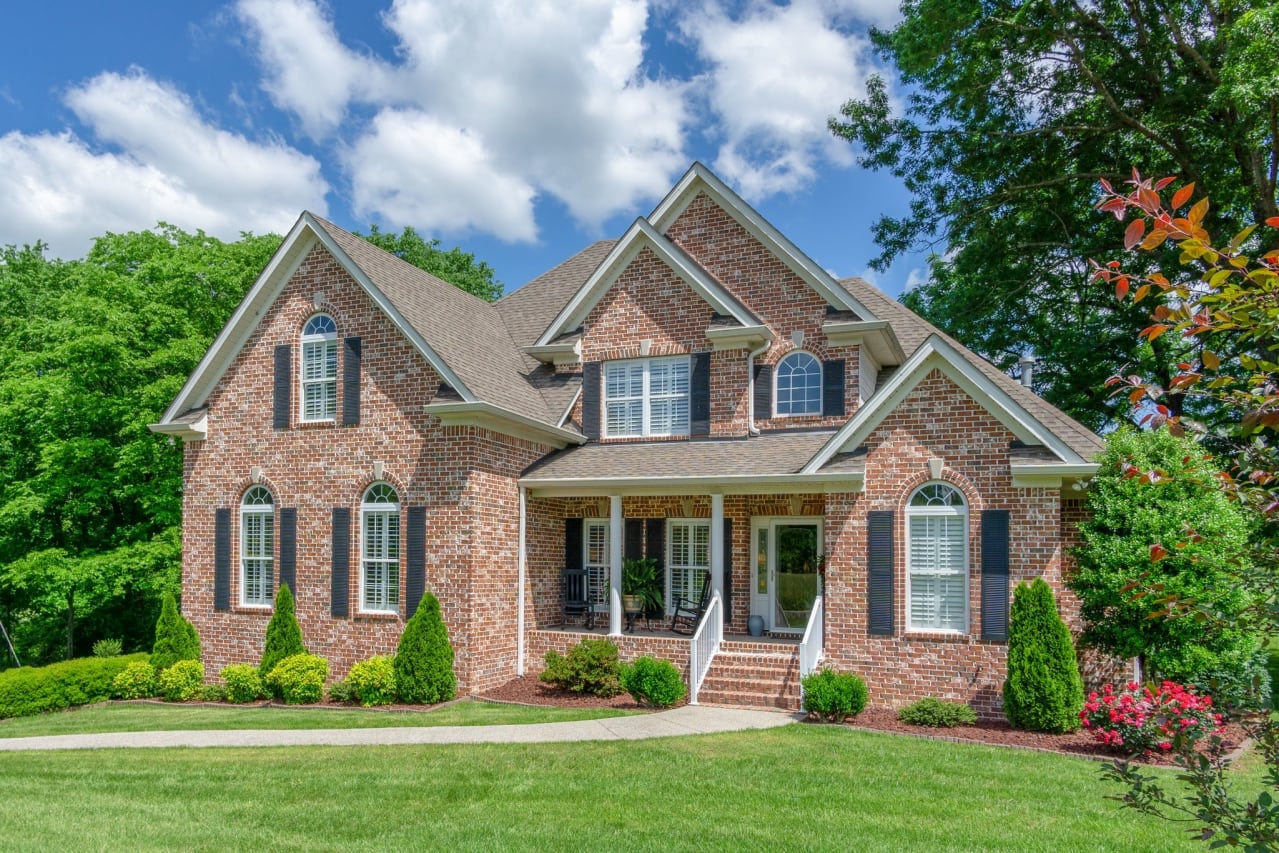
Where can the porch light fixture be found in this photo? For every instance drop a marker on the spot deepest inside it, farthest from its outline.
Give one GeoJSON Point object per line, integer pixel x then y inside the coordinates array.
{"type": "Point", "coordinates": [934, 467]}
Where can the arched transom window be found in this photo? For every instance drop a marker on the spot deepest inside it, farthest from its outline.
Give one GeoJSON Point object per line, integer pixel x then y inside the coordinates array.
{"type": "Point", "coordinates": [319, 369]}
{"type": "Point", "coordinates": [380, 549]}
{"type": "Point", "coordinates": [257, 547]}
{"type": "Point", "coordinates": [937, 559]}
{"type": "Point", "coordinates": [799, 385]}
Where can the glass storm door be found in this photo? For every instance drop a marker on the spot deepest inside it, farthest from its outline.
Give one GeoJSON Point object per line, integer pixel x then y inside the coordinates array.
{"type": "Point", "coordinates": [788, 578]}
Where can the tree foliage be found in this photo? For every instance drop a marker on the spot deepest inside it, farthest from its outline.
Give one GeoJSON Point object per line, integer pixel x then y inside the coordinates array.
{"type": "Point", "coordinates": [175, 638]}
{"type": "Point", "coordinates": [1013, 110]}
{"type": "Point", "coordinates": [1043, 691]}
{"type": "Point", "coordinates": [455, 266]}
{"type": "Point", "coordinates": [424, 659]}
{"type": "Point", "coordinates": [283, 633]}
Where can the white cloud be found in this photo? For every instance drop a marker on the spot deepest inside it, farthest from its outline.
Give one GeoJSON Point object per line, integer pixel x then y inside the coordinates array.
{"type": "Point", "coordinates": [914, 278]}
{"type": "Point", "coordinates": [169, 164]}
{"type": "Point", "coordinates": [776, 74]}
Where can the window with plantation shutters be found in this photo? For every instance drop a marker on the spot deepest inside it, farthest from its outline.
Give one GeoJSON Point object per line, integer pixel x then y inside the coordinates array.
{"type": "Point", "coordinates": [937, 559]}
{"type": "Point", "coordinates": [319, 369]}
{"type": "Point", "coordinates": [688, 560]}
{"type": "Point", "coordinates": [380, 550]}
{"type": "Point", "coordinates": [646, 397]}
{"type": "Point", "coordinates": [257, 547]}
{"type": "Point", "coordinates": [595, 559]}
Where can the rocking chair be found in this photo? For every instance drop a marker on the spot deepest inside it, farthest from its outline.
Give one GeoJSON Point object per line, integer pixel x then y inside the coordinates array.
{"type": "Point", "coordinates": [577, 599]}
{"type": "Point", "coordinates": [688, 613]}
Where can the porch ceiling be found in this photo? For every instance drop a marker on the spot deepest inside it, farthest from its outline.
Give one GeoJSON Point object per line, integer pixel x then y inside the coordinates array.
{"type": "Point", "coordinates": [768, 463]}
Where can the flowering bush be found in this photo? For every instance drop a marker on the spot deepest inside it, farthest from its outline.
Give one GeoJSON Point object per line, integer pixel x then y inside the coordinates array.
{"type": "Point", "coordinates": [1141, 719]}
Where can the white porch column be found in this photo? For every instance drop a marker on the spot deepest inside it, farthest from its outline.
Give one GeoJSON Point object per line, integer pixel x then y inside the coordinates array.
{"type": "Point", "coordinates": [616, 532]}
{"type": "Point", "coordinates": [717, 545]}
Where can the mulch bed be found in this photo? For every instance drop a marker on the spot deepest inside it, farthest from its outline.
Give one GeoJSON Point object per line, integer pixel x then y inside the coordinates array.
{"type": "Point", "coordinates": [530, 691]}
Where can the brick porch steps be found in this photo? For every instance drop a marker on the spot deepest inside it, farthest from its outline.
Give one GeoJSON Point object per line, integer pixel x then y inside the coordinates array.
{"type": "Point", "coordinates": [759, 675]}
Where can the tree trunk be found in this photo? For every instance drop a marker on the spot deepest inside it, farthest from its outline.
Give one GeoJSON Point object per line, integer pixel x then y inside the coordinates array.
{"type": "Point", "coordinates": [70, 623]}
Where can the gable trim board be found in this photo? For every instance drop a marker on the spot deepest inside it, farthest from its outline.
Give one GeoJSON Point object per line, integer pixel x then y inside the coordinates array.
{"type": "Point", "coordinates": [639, 236]}
{"type": "Point", "coordinates": [936, 353]}
{"type": "Point", "coordinates": [497, 419]}
{"type": "Point", "coordinates": [728, 484]}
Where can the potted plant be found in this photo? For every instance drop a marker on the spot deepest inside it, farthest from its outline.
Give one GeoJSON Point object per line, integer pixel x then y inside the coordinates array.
{"type": "Point", "coordinates": [642, 585]}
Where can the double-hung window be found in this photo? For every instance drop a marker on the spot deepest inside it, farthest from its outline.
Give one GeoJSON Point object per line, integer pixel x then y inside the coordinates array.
{"type": "Point", "coordinates": [595, 541]}
{"type": "Point", "coordinates": [319, 369]}
{"type": "Point", "coordinates": [937, 559]}
{"type": "Point", "coordinates": [257, 546]}
{"type": "Point", "coordinates": [646, 397]}
{"type": "Point", "coordinates": [380, 549]}
{"type": "Point", "coordinates": [688, 559]}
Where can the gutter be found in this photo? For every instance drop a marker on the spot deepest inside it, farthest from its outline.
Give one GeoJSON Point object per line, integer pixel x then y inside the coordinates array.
{"type": "Point", "coordinates": [751, 429]}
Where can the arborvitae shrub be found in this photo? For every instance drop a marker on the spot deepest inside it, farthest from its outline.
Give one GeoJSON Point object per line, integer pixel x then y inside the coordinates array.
{"type": "Point", "coordinates": [283, 634]}
{"type": "Point", "coordinates": [299, 679]}
{"type": "Point", "coordinates": [136, 681]}
{"type": "Point", "coordinates": [589, 667]}
{"type": "Point", "coordinates": [424, 659]}
{"type": "Point", "coordinates": [1043, 691]}
{"type": "Point", "coordinates": [832, 695]}
{"type": "Point", "coordinates": [243, 684]}
{"type": "Point", "coordinates": [937, 713]}
{"type": "Point", "coordinates": [182, 681]}
{"type": "Point", "coordinates": [175, 637]}
{"type": "Point", "coordinates": [372, 681]}
{"type": "Point", "coordinates": [653, 682]}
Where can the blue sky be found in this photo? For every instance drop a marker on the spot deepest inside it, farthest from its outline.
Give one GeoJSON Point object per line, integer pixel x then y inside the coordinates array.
{"type": "Point", "coordinates": [520, 130]}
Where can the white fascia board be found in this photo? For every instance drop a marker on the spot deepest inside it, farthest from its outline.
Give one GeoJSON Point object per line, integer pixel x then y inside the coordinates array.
{"type": "Point", "coordinates": [495, 418]}
{"type": "Point", "coordinates": [875, 336]}
{"type": "Point", "coordinates": [1031, 475]}
{"type": "Point", "coordinates": [739, 337]}
{"type": "Point", "coordinates": [557, 354]}
{"type": "Point", "coordinates": [226, 346]}
{"type": "Point", "coordinates": [698, 177]}
{"type": "Point", "coordinates": [195, 431]}
{"type": "Point", "coordinates": [639, 236]}
{"type": "Point", "coordinates": [936, 353]}
{"type": "Point", "coordinates": [405, 327]}
{"type": "Point", "coordinates": [569, 409]}
{"type": "Point", "coordinates": [736, 484]}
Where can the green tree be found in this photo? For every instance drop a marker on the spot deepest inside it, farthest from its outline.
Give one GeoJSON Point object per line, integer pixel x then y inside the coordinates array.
{"type": "Point", "coordinates": [1043, 691]}
{"type": "Point", "coordinates": [283, 633]}
{"type": "Point", "coordinates": [1013, 110]}
{"type": "Point", "coordinates": [455, 266]}
{"type": "Point", "coordinates": [424, 659]}
{"type": "Point", "coordinates": [175, 638]}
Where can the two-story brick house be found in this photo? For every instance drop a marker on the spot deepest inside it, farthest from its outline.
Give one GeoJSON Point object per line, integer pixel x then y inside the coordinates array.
{"type": "Point", "coordinates": [698, 391]}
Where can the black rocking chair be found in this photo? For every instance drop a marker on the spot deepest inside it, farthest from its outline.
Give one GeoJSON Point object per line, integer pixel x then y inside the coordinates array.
{"type": "Point", "coordinates": [688, 613]}
{"type": "Point", "coordinates": [577, 599]}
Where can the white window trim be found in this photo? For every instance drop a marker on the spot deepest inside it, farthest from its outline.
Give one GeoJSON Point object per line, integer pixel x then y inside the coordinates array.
{"type": "Point", "coordinates": [821, 388]}
{"type": "Point", "coordinates": [597, 573]}
{"type": "Point", "coordinates": [646, 398]}
{"type": "Point", "coordinates": [671, 566]}
{"type": "Point", "coordinates": [943, 511]}
{"type": "Point", "coordinates": [310, 341]}
{"type": "Point", "coordinates": [248, 510]}
{"type": "Point", "coordinates": [388, 509]}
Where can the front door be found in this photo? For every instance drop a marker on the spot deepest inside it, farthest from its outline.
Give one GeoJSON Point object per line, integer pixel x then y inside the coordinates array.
{"type": "Point", "coordinates": [787, 571]}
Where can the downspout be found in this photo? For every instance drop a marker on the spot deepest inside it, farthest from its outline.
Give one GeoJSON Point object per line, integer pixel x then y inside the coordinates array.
{"type": "Point", "coordinates": [750, 376]}
{"type": "Point", "coordinates": [519, 586]}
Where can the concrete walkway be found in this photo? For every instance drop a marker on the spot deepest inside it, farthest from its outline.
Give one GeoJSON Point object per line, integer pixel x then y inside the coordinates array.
{"type": "Point", "coordinates": [688, 720]}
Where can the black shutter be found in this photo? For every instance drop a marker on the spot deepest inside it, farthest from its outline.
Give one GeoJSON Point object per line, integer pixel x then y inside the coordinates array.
{"type": "Point", "coordinates": [222, 559]}
{"type": "Point", "coordinates": [763, 392]}
{"type": "Point", "coordinates": [728, 569]}
{"type": "Point", "coordinates": [340, 604]}
{"type": "Point", "coordinates": [879, 597]}
{"type": "Point", "coordinates": [351, 350]}
{"type": "Point", "coordinates": [655, 540]}
{"type": "Point", "coordinates": [283, 405]}
{"type": "Point", "coordinates": [699, 393]}
{"type": "Point", "coordinates": [994, 575]}
{"type": "Point", "coordinates": [289, 548]}
{"type": "Point", "coordinates": [591, 399]}
{"type": "Point", "coordinates": [572, 543]}
{"type": "Point", "coordinates": [833, 388]}
{"type": "Point", "coordinates": [415, 553]}
{"type": "Point", "coordinates": [634, 540]}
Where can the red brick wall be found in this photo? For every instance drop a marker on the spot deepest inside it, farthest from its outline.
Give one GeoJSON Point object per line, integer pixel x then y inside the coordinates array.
{"type": "Point", "coordinates": [463, 476]}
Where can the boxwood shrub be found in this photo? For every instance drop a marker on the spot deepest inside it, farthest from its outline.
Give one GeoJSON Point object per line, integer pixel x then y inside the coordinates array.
{"type": "Point", "coordinates": [591, 666]}
{"type": "Point", "coordinates": [34, 690]}
{"type": "Point", "coordinates": [135, 681]}
{"type": "Point", "coordinates": [182, 681]}
{"type": "Point", "coordinates": [653, 682]}
{"type": "Point", "coordinates": [299, 679]}
{"type": "Point", "coordinates": [832, 696]}
{"type": "Point", "coordinates": [372, 681]}
{"type": "Point", "coordinates": [937, 713]}
{"type": "Point", "coordinates": [243, 684]}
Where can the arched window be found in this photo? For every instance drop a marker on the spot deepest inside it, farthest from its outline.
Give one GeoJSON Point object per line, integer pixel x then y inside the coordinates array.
{"type": "Point", "coordinates": [380, 549]}
{"type": "Point", "coordinates": [319, 369]}
{"type": "Point", "coordinates": [937, 559]}
{"type": "Point", "coordinates": [257, 547]}
{"type": "Point", "coordinates": [799, 385]}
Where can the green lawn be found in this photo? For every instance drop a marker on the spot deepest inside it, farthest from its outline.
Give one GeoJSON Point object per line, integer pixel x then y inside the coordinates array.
{"type": "Point", "coordinates": [142, 718]}
{"type": "Point", "coordinates": [795, 788]}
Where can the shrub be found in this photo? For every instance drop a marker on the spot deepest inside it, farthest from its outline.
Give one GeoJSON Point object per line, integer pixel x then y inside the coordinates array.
{"type": "Point", "coordinates": [299, 679]}
{"type": "Point", "coordinates": [175, 637]}
{"type": "Point", "coordinates": [33, 690]}
{"type": "Point", "coordinates": [243, 684]}
{"type": "Point", "coordinates": [107, 648]}
{"type": "Point", "coordinates": [424, 658]}
{"type": "Point", "coordinates": [135, 681]}
{"type": "Point", "coordinates": [283, 634]}
{"type": "Point", "coordinates": [1043, 691]}
{"type": "Point", "coordinates": [937, 713]}
{"type": "Point", "coordinates": [372, 681]}
{"type": "Point", "coordinates": [591, 666]}
{"type": "Point", "coordinates": [653, 682]}
{"type": "Point", "coordinates": [832, 695]}
{"type": "Point", "coordinates": [340, 691]}
{"type": "Point", "coordinates": [182, 681]}
{"type": "Point", "coordinates": [1142, 719]}
{"type": "Point", "coordinates": [212, 693]}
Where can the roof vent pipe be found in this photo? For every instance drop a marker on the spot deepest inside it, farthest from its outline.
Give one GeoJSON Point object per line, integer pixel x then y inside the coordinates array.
{"type": "Point", "coordinates": [1027, 364]}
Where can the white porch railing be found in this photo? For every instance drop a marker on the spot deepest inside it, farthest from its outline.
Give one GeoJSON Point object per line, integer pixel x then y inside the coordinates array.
{"type": "Point", "coordinates": [812, 647]}
{"type": "Point", "coordinates": [704, 645]}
